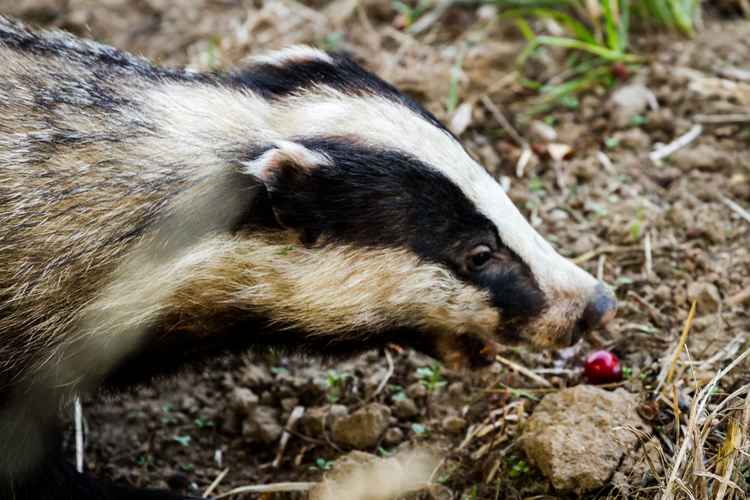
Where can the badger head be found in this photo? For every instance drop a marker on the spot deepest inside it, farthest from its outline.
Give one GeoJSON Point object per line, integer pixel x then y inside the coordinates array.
{"type": "Point", "coordinates": [436, 255]}
{"type": "Point", "coordinates": [380, 227]}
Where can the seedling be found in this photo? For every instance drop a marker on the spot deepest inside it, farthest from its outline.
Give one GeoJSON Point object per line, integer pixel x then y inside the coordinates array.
{"type": "Point", "coordinates": [518, 467]}
{"type": "Point", "coordinates": [452, 103]}
{"type": "Point", "coordinates": [419, 429]}
{"type": "Point", "coordinates": [611, 142]}
{"type": "Point", "coordinates": [431, 377]}
{"type": "Point", "coordinates": [335, 382]}
{"type": "Point", "coordinates": [385, 453]}
{"type": "Point", "coordinates": [323, 464]}
{"type": "Point", "coordinates": [183, 440]}
{"type": "Point", "coordinates": [638, 120]}
{"type": "Point", "coordinates": [279, 370]}
{"type": "Point", "coordinates": [332, 41]}
{"type": "Point", "coordinates": [473, 494]}
{"type": "Point", "coordinates": [411, 14]}
{"type": "Point", "coordinates": [168, 418]}
{"type": "Point", "coordinates": [203, 423]}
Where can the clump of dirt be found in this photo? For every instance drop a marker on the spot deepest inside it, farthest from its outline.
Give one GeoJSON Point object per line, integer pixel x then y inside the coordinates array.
{"type": "Point", "coordinates": [664, 230]}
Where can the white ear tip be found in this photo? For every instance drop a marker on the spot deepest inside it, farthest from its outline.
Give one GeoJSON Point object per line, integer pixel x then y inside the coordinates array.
{"type": "Point", "coordinates": [259, 166]}
{"type": "Point", "coordinates": [301, 155]}
{"type": "Point", "coordinates": [284, 151]}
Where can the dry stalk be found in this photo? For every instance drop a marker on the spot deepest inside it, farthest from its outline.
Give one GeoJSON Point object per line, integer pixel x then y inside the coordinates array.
{"type": "Point", "coordinates": [267, 488]}
{"type": "Point", "coordinates": [524, 371]}
{"type": "Point", "coordinates": [216, 482]}
{"type": "Point", "coordinates": [693, 441]}
{"type": "Point", "coordinates": [679, 143]}
{"type": "Point", "coordinates": [682, 341]}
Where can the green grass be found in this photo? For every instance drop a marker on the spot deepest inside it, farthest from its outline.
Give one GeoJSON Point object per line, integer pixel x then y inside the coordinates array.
{"type": "Point", "coordinates": [596, 34]}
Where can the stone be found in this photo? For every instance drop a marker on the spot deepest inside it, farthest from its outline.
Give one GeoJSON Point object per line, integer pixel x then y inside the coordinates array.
{"type": "Point", "coordinates": [405, 408]}
{"type": "Point", "coordinates": [243, 400]}
{"type": "Point", "coordinates": [461, 119]}
{"type": "Point", "coordinates": [337, 411]}
{"type": "Point", "coordinates": [706, 295]}
{"type": "Point", "coordinates": [627, 102]}
{"type": "Point", "coordinates": [363, 428]}
{"type": "Point", "coordinates": [633, 138]}
{"type": "Point", "coordinates": [457, 391]}
{"type": "Point", "coordinates": [363, 475]}
{"type": "Point", "coordinates": [541, 132]}
{"type": "Point", "coordinates": [454, 424]}
{"type": "Point", "coordinates": [707, 157]}
{"type": "Point", "coordinates": [262, 424]}
{"type": "Point", "coordinates": [739, 186]}
{"type": "Point", "coordinates": [288, 404]}
{"type": "Point", "coordinates": [393, 436]}
{"type": "Point", "coordinates": [577, 437]}
{"type": "Point", "coordinates": [313, 422]}
{"type": "Point", "coordinates": [636, 468]}
{"type": "Point", "coordinates": [416, 390]}
{"type": "Point", "coordinates": [253, 375]}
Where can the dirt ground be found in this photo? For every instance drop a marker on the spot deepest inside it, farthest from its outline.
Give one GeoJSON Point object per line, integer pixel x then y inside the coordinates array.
{"type": "Point", "coordinates": [662, 233]}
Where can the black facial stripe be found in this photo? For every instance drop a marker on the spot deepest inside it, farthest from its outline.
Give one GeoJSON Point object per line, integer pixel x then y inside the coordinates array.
{"type": "Point", "coordinates": [344, 75]}
{"type": "Point", "coordinates": [386, 198]}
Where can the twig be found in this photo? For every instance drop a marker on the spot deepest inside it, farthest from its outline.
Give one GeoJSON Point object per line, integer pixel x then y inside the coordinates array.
{"type": "Point", "coordinates": [722, 119]}
{"type": "Point", "coordinates": [585, 257]}
{"type": "Point", "coordinates": [605, 161]}
{"type": "Point", "coordinates": [679, 143]}
{"type": "Point", "coordinates": [296, 414]}
{"type": "Point", "coordinates": [681, 343]}
{"type": "Point", "coordinates": [216, 482]}
{"type": "Point", "coordinates": [734, 73]}
{"type": "Point", "coordinates": [427, 20]}
{"type": "Point", "coordinates": [267, 488]}
{"type": "Point", "coordinates": [512, 132]}
{"type": "Point", "coordinates": [648, 256]}
{"type": "Point", "coordinates": [735, 207]}
{"type": "Point", "coordinates": [739, 297]}
{"type": "Point", "coordinates": [78, 416]}
{"type": "Point", "coordinates": [524, 371]}
{"type": "Point", "coordinates": [388, 375]}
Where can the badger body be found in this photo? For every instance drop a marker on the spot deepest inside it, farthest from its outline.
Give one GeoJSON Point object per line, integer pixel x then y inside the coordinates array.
{"type": "Point", "coordinates": [149, 216]}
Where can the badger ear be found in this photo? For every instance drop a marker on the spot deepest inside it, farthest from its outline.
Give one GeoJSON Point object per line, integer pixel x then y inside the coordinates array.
{"type": "Point", "coordinates": [287, 171]}
{"type": "Point", "coordinates": [284, 158]}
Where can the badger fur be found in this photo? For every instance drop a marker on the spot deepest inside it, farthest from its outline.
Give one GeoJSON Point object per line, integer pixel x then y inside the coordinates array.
{"type": "Point", "coordinates": [149, 216]}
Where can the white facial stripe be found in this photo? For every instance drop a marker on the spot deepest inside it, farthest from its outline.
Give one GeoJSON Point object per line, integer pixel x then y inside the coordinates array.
{"type": "Point", "coordinates": [193, 113]}
{"type": "Point", "coordinates": [388, 124]}
{"type": "Point", "coordinates": [295, 54]}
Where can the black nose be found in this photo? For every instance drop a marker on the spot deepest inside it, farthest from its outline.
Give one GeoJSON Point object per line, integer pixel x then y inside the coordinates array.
{"type": "Point", "coordinates": [598, 312]}
{"type": "Point", "coordinates": [600, 309]}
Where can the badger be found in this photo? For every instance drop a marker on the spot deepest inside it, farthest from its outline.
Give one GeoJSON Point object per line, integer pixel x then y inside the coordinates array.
{"type": "Point", "coordinates": [151, 217]}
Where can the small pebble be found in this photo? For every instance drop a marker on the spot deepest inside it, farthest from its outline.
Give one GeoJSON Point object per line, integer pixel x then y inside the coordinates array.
{"type": "Point", "coordinates": [454, 424]}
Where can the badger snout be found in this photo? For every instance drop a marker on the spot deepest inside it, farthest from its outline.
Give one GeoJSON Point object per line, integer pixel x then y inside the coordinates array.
{"type": "Point", "coordinates": [599, 310]}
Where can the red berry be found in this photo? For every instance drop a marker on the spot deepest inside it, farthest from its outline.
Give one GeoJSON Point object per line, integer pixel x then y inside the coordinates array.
{"type": "Point", "coordinates": [602, 367]}
{"type": "Point", "coordinates": [620, 71]}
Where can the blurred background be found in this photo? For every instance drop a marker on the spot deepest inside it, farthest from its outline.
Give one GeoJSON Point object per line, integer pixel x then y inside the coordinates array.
{"type": "Point", "coordinates": [621, 128]}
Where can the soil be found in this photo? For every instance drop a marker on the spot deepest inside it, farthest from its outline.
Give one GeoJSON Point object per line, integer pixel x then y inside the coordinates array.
{"type": "Point", "coordinates": [662, 233]}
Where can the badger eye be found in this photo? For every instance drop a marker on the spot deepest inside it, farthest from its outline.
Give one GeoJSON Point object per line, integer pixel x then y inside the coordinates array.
{"type": "Point", "coordinates": [479, 256]}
